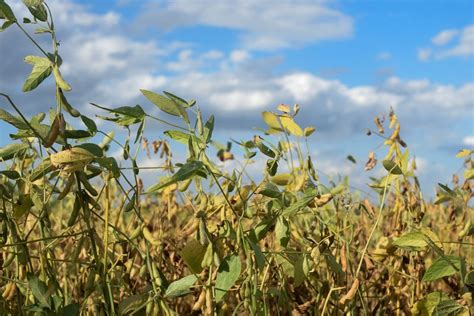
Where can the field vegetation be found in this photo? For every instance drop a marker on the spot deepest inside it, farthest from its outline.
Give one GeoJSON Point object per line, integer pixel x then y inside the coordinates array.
{"type": "Point", "coordinates": [81, 234]}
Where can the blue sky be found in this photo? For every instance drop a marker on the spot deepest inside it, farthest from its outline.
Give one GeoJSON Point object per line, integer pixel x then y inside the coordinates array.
{"type": "Point", "coordinates": [343, 61]}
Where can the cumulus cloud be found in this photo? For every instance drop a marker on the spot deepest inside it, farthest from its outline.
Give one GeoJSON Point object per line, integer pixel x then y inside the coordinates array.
{"type": "Point", "coordinates": [461, 40]}
{"type": "Point", "coordinates": [384, 56]}
{"type": "Point", "coordinates": [444, 37]}
{"type": "Point", "coordinates": [264, 24]}
{"type": "Point", "coordinates": [464, 47]}
{"type": "Point", "coordinates": [468, 140]}
{"type": "Point", "coordinates": [239, 55]}
{"type": "Point", "coordinates": [424, 54]}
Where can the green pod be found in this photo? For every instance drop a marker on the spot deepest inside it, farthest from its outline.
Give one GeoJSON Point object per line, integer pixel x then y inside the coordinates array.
{"type": "Point", "coordinates": [60, 80]}
{"type": "Point", "coordinates": [149, 307]}
{"type": "Point", "coordinates": [8, 260]}
{"type": "Point", "coordinates": [65, 104]}
{"type": "Point", "coordinates": [87, 185]}
{"type": "Point", "coordinates": [67, 187]}
{"type": "Point", "coordinates": [90, 200]}
{"type": "Point", "coordinates": [142, 271]}
{"type": "Point", "coordinates": [75, 212]}
{"type": "Point", "coordinates": [90, 283]}
{"type": "Point", "coordinates": [136, 232]}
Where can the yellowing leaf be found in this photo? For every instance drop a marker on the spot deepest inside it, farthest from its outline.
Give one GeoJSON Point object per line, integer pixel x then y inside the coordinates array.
{"type": "Point", "coordinates": [284, 108]}
{"type": "Point", "coordinates": [271, 120]}
{"type": "Point", "coordinates": [281, 179]}
{"type": "Point", "coordinates": [463, 153]}
{"type": "Point", "coordinates": [290, 125]}
{"type": "Point", "coordinates": [308, 131]}
{"type": "Point", "coordinates": [71, 156]}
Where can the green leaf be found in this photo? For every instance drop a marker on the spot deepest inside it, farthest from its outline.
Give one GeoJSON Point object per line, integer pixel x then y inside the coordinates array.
{"type": "Point", "coordinates": [176, 99]}
{"type": "Point", "coordinates": [259, 256]}
{"type": "Point", "coordinates": [193, 254]}
{"type": "Point", "coordinates": [227, 275]}
{"type": "Point", "coordinates": [6, 12]}
{"type": "Point", "coordinates": [443, 199]}
{"type": "Point", "coordinates": [264, 148]}
{"type": "Point", "coordinates": [10, 150]}
{"type": "Point", "coordinates": [392, 167]}
{"type": "Point", "coordinates": [301, 269]}
{"type": "Point", "coordinates": [447, 189]}
{"type": "Point", "coordinates": [132, 304]}
{"type": "Point", "coordinates": [270, 190]}
{"type": "Point", "coordinates": [443, 266]}
{"type": "Point", "coordinates": [72, 309]}
{"type": "Point", "coordinates": [181, 287]}
{"type": "Point", "coordinates": [90, 124]}
{"type": "Point", "coordinates": [302, 202]}
{"type": "Point", "coordinates": [437, 303]}
{"type": "Point", "coordinates": [469, 279]}
{"type": "Point", "coordinates": [42, 68]}
{"type": "Point", "coordinates": [262, 228]}
{"type": "Point", "coordinates": [96, 150]}
{"type": "Point", "coordinates": [39, 289]}
{"type": "Point", "coordinates": [125, 115]}
{"type": "Point", "coordinates": [6, 25]}
{"type": "Point", "coordinates": [272, 166]}
{"type": "Point", "coordinates": [110, 164]}
{"type": "Point", "coordinates": [10, 174]}
{"type": "Point", "coordinates": [282, 231]}
{"type": "Point", "coordinates": [351, 159]}
{"type": "Point", "coordinates": [208, 129]}
{"type": "Point", "coordinates": [163, 103]}
{"type": "Point", "coordinates": [37, 9]}
{"type": "Point", "coordinates": [414, 240]}
{"type": "Point", "coordinates": [178, 136]}
{"type": "Point", "coordinates": [188, 170]}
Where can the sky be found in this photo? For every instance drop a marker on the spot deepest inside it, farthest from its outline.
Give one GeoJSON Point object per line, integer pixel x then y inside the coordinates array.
{"type": "Point", "coordinates": [343, 62]}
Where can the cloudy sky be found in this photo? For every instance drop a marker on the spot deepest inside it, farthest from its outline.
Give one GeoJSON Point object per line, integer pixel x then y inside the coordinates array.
{"type": "Point", "coordinates": [343, 62]}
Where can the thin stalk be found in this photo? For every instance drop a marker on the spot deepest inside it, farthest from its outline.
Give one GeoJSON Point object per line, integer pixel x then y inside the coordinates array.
{"type": "Point", "coordinates": [31, 39]}
{"type": "Point", "coordinates": [379, 218]}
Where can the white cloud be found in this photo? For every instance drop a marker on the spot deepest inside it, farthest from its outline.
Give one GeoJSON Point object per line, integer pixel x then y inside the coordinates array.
{"type": "Point", "coordinates": [444, 37]}
{"type": "Point", "coordinates": [304, 86]}
{"type": "Point", "coordinates": [213, 54]}
{"type": "Point", "coordinates": [123, 90]}
{"type": "Point", "coordinates": [97, 54]}
{"type": "Point", "coordinates": [384, 56]}
{"type": "Point", "coordinates": [468, 140]}
{"type": "Point", "coordinates": [237, 100]}
{"type": "Point", "coordinates": [424, 54]}
{"type": "Point", "coordinates": [239, 55]}
{"type": "Point", "coordinates": [265, 24]}
{"type": "Point", "coordinates": [462, 47]}
{"type": "Point", "coordinates": [422, 165]}
{"type": "Point", "coordinates": [465, 46]}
